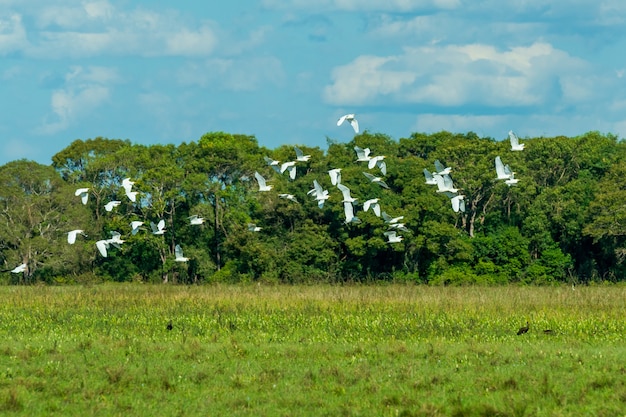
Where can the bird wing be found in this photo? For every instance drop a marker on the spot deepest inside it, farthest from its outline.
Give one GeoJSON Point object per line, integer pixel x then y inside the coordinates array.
{"type": "Point", "coordinates": [260, 179]}
{"type": "Point", "coordinates": [369, 176]}
{"type": "Point", "coordinates": [355, 125]}
{"type": "Point", "coordinates": [102, 246]}
{"type": "Point", "coordinates": [161, 224]}
{"type": "Point", "coordinates": [366, 205]}
{"type": "Point", "coordinates": [513, 138]}
{"type": "Point", "coordinates": [372, 162]}
{"type": "Point", "coordinates": [383, 166]}
{"type": "Point", "coordinates": [500, 169]}
{"type": "Point", "coordinates": [299, 153]}
{"type": "Point", "coordinates": [348, 209]}
{"type": "Point", "coordinates": [71, 237]}
{"type": "Point", "coordinates": [376, 208]}
{"type": "Point", "coordinates": [178, 251]}
{"type": "Point", "coordinates": [341, 120]}
{"type": "Point", "coordinates": [292, 172]}
{"type": "Point", "coordinates": [345, 191]}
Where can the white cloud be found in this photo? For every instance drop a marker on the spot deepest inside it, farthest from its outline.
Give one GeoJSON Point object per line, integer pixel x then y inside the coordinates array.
{"type": "Point", "coordinates": [361, 5]}
{"type": "Point", "coordinates": [85, 90]}
{"type": "Point", "coordinates": [459, 75]}
{"type": "Point", "coordinates": [91, 28]}
{"type": "Point", "coordinates": [245, 74]}
{"type": "Point", "coordinates": [12, 34]}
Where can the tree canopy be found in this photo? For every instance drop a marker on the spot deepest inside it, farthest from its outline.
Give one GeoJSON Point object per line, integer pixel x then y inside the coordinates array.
{"type": "Point", "coordinates": [563, 221]}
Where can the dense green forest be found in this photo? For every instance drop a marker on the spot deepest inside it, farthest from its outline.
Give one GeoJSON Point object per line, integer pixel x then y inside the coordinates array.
{"type": "Point", "coordinates": [564, 221]}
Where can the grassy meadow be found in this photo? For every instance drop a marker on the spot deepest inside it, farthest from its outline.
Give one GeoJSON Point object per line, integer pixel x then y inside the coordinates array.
{"type": "Point", "coordinates": [312, 350]}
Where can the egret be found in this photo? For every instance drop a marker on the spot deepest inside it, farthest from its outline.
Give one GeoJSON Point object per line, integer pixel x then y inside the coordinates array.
{"type": "Point", "coordinates": [273, 163]}
{"type": "Point", "coordinates": [178, 252]}
{"type": "Point", "coordinates": [348, 210]}
{"type": "Point", "coordinates": [444, 183]}
{"type": "Point", "coordinates": [158, 229]}
{"type": "Point", "coordinates": [391, 220]}
{"type": "Point", "coordinates": [300, 156]}
{"type": "Point", "coordinates": [253, 227]}
{"type": "Point", "coordinates": [262, 184]}
{"type": "Point", "coordinates": [378, 161]}
{"type": "Point", "coordinates": [83, 193]}
{"type": "Point", "coordinates": [102, 246]}
{"type": "Point", "coordinates": [515, 145]}
{"type": "Point", "coordinates": [195, 220]}
{"type": "Point", "coordinates": [290, 167]}
{"type": "Point", "coordinates": [18, 269]}
{"type": "Point", "coordinates": [71, 235]}
{"type": "Point", "coordinates": [377, 180]}
{"type": "Point", "coordinates": [398, 226]}
{"type": "Point", "coordinates": [109, 206]}
{"type": "Point", "coordinates": [127, 184]}
{"type": "Point", "coordinates": [289, 197]}
{"type": "Point", "coordinates": [135, 226]}
{"type": "Point", "coordinates": [430, 180]}
{"type": "Point", "coordinates": [351, 119]}
{"type": "Point", "coordinates": [512, 180]}
{"type": "Point", "coordinates": [500, 170]}
{"type": "Point", "coordinates": [440, 169]}
{"type": "Point", "coordinates": [116, 238]}
{"type": "Point", "coordinates": [362, 155]}
{"type": "Point", "coordinates": [321, 195]}
{"type": "Point", "coordinates": [347, 198]}
{"type": "Point", "coordinates": [373, 203]}
{"type": "Point", "coordinates": [392, 237]}
{"type": "Point", "coordinates": [457, 201]}
{"type": "Point", "coordinates": [335, 176]}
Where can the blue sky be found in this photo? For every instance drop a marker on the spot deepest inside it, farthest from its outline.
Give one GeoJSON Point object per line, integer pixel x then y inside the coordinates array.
{"type": "Point", "coordinates": [285, 70]}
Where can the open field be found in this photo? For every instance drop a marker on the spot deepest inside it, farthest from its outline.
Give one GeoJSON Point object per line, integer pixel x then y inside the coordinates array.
{"type": "Point", "coordinates": [312, 350]}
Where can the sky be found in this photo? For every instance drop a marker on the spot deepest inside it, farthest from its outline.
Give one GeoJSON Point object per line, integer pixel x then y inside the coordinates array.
{"type": "Point", "coordinates": [285, 70]}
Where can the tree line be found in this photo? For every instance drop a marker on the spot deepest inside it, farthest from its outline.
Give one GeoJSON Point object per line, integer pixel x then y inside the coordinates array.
{"type": "Point", "coordinates": [564, 221]}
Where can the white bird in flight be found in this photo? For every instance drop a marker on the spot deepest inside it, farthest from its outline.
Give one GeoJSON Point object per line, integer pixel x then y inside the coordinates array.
{"type": "Point", "coordinates": [288, 197]}
{"type": "Point", "coordinates": [102, 246]}
{"type": "Point", "coordinates": [362, 155]}
{"type": "Point", "coordinates": [289, 167]}
{"type": "Point", "coordinates": [109, 206]}
{"type": "Point", "coordinates": [430, 180]}
{"type": "Point", "coordinates": [335, 176]}
{"type": "Point", "coordinates": [378, 161]}
{"type": "Point", "coordinates": [195, 220]}
{"type": "Point", "coordinates": [273, 163]}
{"type": "Point", "coordinates": [348, 210]}
{"type": "Point", "coordinates": [128, 186]}
{"type": "Point", "coordinates": [444, 183]}
{"type": "Point", "coordinates": [373, 203]}
{"type": "Point", "coordinates": [158, 229]}
{"type": "Point", "coordinates": [391, 220]}
{"type": "Point", "coordinates": [392, 237]}
{"type": "Point", "coordinates": [515, 145]}
{"type": "Point", "coordinates": [71, 235]}
{"type": "Point", "coordinates": [300, 156]}
{"type": "Point", "coordinates": [320, 194]}
{"type": "Point", "coordinates": [345, 191]}
{"type": "Point", "coordinates": [178, 252]}
{"type": "Point", "coordinates": [262, 184]}
{"type": "Point", "coordinates": [500, 170]}
{"type": "Point", "coordinates": [440, 169]}
{"type": "Point", "coordinates": [376, 180]}
{"type": "Point", "coordinates": [83, 193]}
{"type": "Point", "coordinates": [457, 201]}
{"type": "Point", "coordinates": [19, 268]}
{"type": "Point", "coordinates": [135, 226]}
{"type": "Point", "coordinates": [512, 180]}
{"type": "Point", "coordinates": [350, 118]}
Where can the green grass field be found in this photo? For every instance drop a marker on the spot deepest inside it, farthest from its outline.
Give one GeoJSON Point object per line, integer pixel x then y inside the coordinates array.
{"type": "Point", "coordinates": [312, 350]}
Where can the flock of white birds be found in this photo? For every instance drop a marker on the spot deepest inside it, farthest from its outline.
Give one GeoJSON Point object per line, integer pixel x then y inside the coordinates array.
{"type": "Point", "coordinates": [440, 177]}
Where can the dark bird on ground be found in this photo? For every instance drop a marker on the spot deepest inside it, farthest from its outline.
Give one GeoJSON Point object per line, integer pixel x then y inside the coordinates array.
{"type": "Point", "coordinates": [523, 330]}
{"type": "Point", "coordinates": [169, 325]}
{"type": "Point", "coordinates": [548, 331]}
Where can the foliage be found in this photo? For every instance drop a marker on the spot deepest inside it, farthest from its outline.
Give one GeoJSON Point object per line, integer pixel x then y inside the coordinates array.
{"type": "Point", "coordinates": [564, 221]}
